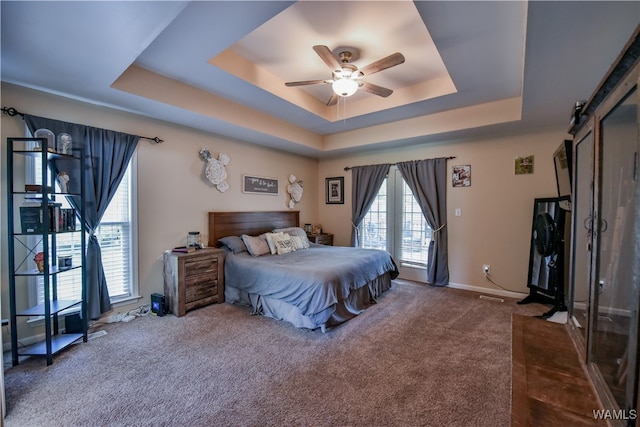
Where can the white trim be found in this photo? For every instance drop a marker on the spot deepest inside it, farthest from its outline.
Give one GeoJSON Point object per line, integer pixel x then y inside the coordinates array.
{"type": "Point", "coordinates": [499, 292]}
{"type": "Point", "coordinates": [133, 238]}
{"type": "Point", "coordinates": [125, 301]}
{"type": "Point", "coordinates": [26, 341]}
{"type": "Point", "coordinates": [603, 311]}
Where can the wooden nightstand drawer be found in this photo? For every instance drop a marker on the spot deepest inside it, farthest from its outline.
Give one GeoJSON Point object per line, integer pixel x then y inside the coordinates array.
{"type": "Point", "coordinates": [198, 287]}
{"type": "Point", "coordinates": [203, 265]}
{"type": "Point", "coordinates": [193, 280]}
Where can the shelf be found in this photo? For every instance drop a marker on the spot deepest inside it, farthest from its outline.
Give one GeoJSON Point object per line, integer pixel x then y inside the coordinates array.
{"type": "Point", "coordinates": [58, 343]}
{"type": "Point", "coordinates": [50, 154]}
{"type": "Point", "coordinates": [49, 193]}
{"type": "Point", "coordinates": [33, 207]}
{"type": "Point", "coordinates": [52, 270]}
{"type": "Point", "coordinates": [48, 232]}
{"type": "Point", "coordinates": [55, 307]}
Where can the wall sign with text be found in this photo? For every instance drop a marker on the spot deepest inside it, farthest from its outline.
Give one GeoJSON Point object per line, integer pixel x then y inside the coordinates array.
{"type": "Point", "coordinates": [259, 185]}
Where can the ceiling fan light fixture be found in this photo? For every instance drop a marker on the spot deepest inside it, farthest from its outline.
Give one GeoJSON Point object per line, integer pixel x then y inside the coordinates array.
{"type": "Point", "coordinates": [344, 87]}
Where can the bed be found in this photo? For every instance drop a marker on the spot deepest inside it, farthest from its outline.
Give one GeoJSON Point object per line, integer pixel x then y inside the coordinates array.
{"type": "Point", "coordinates": [318, 287]}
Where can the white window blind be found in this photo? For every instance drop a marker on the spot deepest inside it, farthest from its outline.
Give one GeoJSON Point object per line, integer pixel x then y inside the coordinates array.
{"type": "Point", "coordinates": [416, 234]}
{"type": "Point", "coordinates": [373, 228]}
{"type": "Point", "coordinates": [395, 223]}
{"type": "Point", "coordinates": [116, 243]}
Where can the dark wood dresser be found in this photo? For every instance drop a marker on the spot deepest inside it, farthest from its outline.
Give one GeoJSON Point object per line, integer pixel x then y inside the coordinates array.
{"type": "Point", "coordinates": [193, 280]}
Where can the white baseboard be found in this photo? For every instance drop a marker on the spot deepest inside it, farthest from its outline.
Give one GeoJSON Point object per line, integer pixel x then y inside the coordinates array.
{"type": "Point", "coordinates": [489, 291]}
{"type": "Point", "coordinates": [604, 311]}
{"type": "Point", "coordinates": [23, 342]}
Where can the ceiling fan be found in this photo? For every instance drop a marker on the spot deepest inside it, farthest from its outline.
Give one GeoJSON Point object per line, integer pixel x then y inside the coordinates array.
{"type": "Point", "coordinates": [346, 77]}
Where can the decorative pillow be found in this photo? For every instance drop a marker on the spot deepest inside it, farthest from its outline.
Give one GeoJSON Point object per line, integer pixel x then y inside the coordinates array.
{"type": "Point", "coordinates": [256, 245]}
{"type": "Point", "coordinates": [272, 245]}
{"type": "Point", "coordinates": [284, 243]}
{"type": "Point", "coordinates": [234, 244]}
{"type": "Point", "coordinates": [293, 231]}
{"type": "Point", "coordinates": [299, 242]}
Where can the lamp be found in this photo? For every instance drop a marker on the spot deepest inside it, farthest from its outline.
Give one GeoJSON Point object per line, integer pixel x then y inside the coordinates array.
{"type": "Point", "coordinates": [344, 86]}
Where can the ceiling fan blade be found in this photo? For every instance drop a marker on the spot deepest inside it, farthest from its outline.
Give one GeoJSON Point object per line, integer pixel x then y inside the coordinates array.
{"type": "Point", "coordinates": [328, 58]}
{"type": "Point", "coordinates": [382, 64]}
{"type": "Point", "coordinates": [376, 90]}
{"type": "Point", "coordinates": [305, 83]}
{"type": "Point", "coordinates": [333, 100]}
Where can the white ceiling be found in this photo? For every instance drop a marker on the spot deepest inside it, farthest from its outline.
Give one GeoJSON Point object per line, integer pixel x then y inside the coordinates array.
{"type": "Point", "coordinates": [471, 69]}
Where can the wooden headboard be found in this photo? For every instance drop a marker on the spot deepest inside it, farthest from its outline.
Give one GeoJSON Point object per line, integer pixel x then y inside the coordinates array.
{"type": "Point", "coordinates": [222, 224]}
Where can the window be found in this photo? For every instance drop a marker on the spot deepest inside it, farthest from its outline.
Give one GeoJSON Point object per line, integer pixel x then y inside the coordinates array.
{"type": "Point", "coordinates": [373, 228]}
{"type": "Point", "coordinates": [116, 236]}
{"type": "Point", "coordinates": [416, 234]}
{"type": "Point", "coordinates": [395, 223]}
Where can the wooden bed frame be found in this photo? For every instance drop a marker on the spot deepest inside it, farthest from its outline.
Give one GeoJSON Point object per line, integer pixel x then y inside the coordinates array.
{"type": "Point", "coordinates": [222, 224]}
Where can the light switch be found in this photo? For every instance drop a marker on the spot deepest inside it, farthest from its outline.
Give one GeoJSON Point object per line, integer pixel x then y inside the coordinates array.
{"type": "Point", "coordinates": [458, 212]}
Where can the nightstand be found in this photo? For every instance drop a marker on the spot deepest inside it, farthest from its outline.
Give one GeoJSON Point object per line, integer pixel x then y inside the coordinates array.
{"type": "Point", "coordinates": [193, 280]}
{"type": "Point", "coordinates": [323, 239]}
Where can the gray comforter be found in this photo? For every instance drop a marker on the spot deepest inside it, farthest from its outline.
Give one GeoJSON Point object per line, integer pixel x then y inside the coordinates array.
{"type": "Point", "coordinates": [311, 279]}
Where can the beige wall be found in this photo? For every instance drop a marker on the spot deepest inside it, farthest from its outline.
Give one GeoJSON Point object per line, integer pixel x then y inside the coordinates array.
{"type": "Point", "coordinates": [497, 209]}
{"type": "Point", "coordinates": [174, 196]}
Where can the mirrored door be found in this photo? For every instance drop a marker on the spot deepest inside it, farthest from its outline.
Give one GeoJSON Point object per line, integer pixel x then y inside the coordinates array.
{"type": "Point", "coordinates": [616, 297]}
{"type": "Point", "coordinates": [582, 210]}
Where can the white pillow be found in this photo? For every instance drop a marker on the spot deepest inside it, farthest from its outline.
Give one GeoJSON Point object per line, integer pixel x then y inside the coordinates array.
{"type": "Point", "coordinates": [299, 242]}
{"type": "Point", "coordinates": [284, 244]}
{"type": "Point", "coordinates": [272, 245]}
{"type": "Point", "coordinates": [293, 231]}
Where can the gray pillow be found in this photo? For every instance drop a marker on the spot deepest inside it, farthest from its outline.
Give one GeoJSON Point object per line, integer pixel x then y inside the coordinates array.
{"type": "Point", "coordinates": [234, 243]}
{"type": "Point", "coordinates": [256, 246]}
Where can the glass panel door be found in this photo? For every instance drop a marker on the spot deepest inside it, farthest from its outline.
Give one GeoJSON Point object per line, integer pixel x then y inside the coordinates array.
{"type": "Point", "coordinates": [616, 302]}
{"type": "Point", "coordinates": [582, 211]}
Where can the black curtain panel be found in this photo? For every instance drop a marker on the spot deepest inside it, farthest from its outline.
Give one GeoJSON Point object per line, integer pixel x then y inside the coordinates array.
{"type": "Point", "coordinates": [427, 181]}
{"type": "Point", "coordinates": [366, 182]}
{"type": "Point", "coordinates": [107, 154]}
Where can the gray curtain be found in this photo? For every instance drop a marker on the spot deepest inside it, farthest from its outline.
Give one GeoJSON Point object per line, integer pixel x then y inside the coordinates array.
{"type": "Point", "coordinates": [107, 154]}
{"type": "Point", "coordinates": [366, 181]}
{"type": "Point", "coordinates": [427, 181]}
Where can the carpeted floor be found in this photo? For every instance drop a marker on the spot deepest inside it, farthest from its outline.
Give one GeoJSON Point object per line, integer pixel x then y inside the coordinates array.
{"type": "Point", "coordinates": [422, 356]}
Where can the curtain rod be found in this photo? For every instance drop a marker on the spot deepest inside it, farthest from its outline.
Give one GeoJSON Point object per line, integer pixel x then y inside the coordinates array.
{"type": "Point", "coordinates": [10, 111]}
{"type": "Point", "coordinates": [347, 168]}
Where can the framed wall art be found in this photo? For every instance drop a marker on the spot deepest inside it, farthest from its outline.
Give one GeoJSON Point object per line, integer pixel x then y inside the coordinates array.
{"type": "Point", "coordinates": [524, 165]}
{"type": "Point", "coordinates": [335, 190]}
{"type": "Point", "coordinates": [259, 185]}
{"type": "Point", "coordinates": [461, 176]}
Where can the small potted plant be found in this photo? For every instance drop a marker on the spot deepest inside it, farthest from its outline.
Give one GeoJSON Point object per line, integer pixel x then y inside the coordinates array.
{"type": "Point", "coordinates": [39, 259]}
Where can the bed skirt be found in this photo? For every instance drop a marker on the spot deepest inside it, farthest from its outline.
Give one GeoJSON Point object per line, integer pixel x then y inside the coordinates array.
{"type": "Point", "coordinates": [357, 301]}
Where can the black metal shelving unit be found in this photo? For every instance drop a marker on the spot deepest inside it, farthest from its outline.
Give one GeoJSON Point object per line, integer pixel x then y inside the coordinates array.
{"type": "Point", "coordinates": [24, 244]}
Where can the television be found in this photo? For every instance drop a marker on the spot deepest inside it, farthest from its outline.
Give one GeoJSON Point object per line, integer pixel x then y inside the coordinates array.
{"type": "Point", "coordinates": [562, 159]}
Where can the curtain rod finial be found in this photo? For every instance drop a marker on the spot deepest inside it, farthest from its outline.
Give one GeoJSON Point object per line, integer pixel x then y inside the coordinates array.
{"type": "Point", "coordinates": [156, 139]}
{"type": "Point", "coordinates": [11, 111]}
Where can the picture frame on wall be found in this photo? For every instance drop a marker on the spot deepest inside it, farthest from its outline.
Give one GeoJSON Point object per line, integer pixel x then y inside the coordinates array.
{"type": "Point", "coordinates": [524, 165]}
{"type": "Point", "coordinates": [461, 176]}
{"type": "Point", "coordinates": [335, 190]}
{"type": "Point", "coordinates": [259, 185]}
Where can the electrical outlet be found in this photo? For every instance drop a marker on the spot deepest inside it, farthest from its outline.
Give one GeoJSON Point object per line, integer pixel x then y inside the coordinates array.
{"type": "Point", "coordinates": [486, 269]}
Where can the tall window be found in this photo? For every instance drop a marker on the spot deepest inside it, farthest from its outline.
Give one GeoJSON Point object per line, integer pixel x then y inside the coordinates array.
{"type": "Point", "coordinates": [117, 243]}
{"type": "Point", "coordinates": [373, 227]}
{"type": "Point", "coordinates": [395, 223]}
